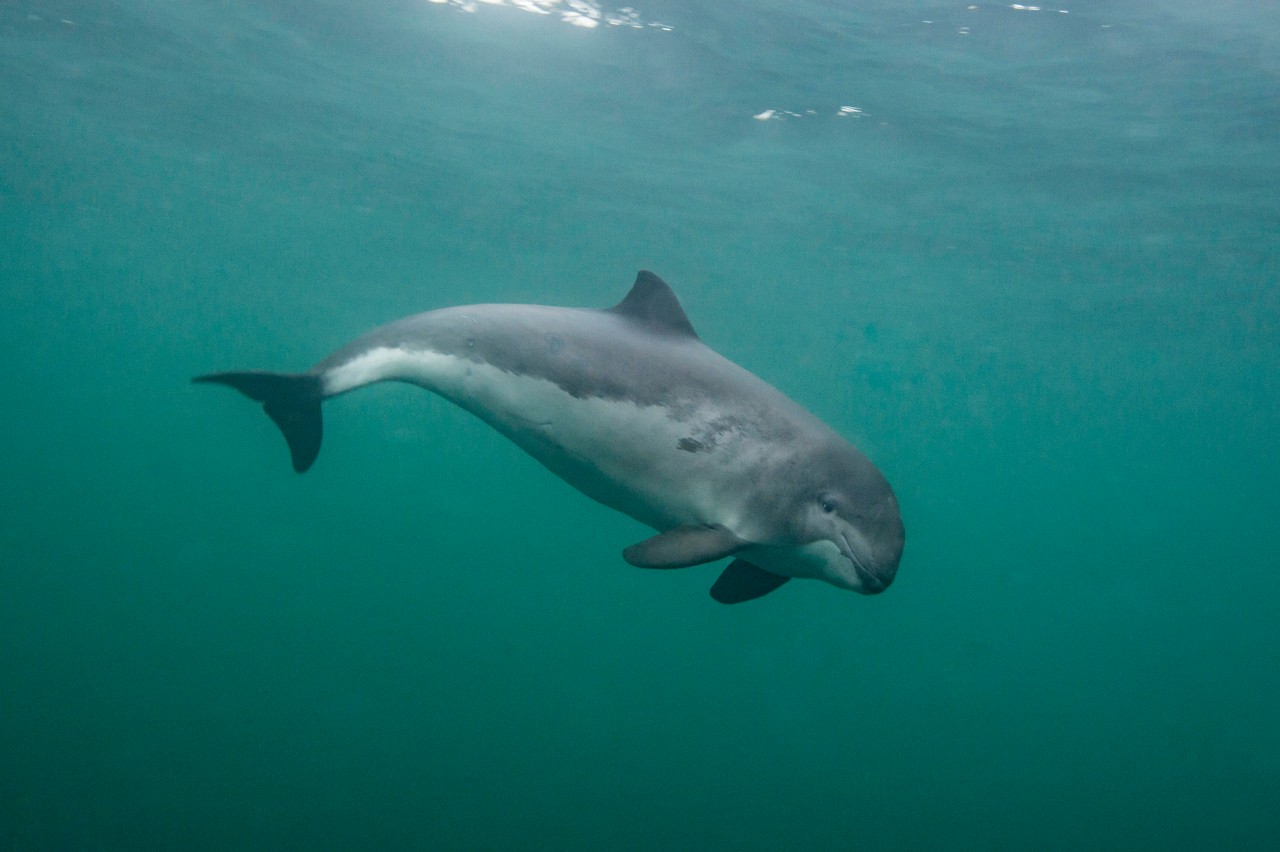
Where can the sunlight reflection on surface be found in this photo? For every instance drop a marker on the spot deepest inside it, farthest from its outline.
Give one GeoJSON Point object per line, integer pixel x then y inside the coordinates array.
{"type": "Point", "coordinates": [579, 13]}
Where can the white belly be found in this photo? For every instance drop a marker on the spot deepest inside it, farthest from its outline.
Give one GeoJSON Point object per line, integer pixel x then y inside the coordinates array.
{"type": "Point", "coordinates": [627, 456]}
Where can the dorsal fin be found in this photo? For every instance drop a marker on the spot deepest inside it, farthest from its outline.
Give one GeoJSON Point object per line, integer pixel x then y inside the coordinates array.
{"type": "Point", "coordinates": [652, 303]}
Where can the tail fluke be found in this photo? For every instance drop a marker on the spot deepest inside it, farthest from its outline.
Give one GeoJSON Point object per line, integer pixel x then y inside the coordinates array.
{"type": "Point", "coordinates": [291, 400]}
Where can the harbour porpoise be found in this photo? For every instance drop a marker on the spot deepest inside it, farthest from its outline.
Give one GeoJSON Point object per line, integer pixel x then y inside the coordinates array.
{"type": "Point", "coordinates": [630, 407]}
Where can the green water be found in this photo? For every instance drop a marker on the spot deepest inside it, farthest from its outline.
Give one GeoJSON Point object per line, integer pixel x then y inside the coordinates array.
{"type": "Point", "coordinates": [1033, 276]}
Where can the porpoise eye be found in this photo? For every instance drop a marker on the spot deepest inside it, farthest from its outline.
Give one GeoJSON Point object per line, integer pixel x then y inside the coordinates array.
{"type": "Point", "coordinates": [828, 506]}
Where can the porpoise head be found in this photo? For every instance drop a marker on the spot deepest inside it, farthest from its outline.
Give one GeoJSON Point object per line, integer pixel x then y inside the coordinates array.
{"type": "Point", "coordinates": [843, 519]}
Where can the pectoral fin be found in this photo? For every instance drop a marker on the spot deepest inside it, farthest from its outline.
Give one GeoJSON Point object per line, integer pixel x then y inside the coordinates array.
{"type": "Point", "coordinates": [684, 546]}
{"type": "Point", "coordinates": [742, 581]}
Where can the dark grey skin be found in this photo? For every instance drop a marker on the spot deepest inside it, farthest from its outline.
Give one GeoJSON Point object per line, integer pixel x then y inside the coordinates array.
{"type": "Point", "coordinates": [631, 408]}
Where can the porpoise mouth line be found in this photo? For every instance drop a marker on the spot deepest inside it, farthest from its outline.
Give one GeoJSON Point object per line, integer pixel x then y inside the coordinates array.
{"type": "Point", "coordinates": [868, 579]}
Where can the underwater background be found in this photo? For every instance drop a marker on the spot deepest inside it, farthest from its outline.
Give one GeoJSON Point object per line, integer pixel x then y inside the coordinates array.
{"type": "Point", "coordinates": [1025, 258]}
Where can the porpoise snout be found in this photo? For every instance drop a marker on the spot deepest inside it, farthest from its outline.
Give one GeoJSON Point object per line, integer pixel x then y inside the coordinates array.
{"type": "Point", "coordinates": [877, 573]}
{"type": "Point", "coordinates": [871, 584]}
